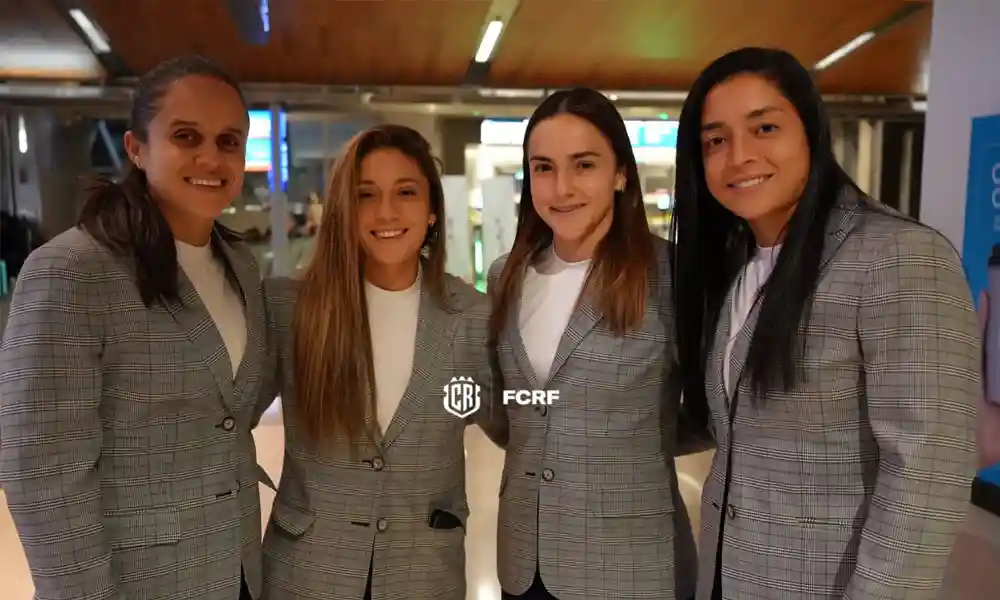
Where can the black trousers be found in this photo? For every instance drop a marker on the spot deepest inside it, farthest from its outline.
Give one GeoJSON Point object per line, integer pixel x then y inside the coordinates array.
{"type": "Point", "coordinates": [536, 591]}
{"type": "Point", "coordinates": [244, 590]}
{"type": "Point", "coordinates": [368, 586]}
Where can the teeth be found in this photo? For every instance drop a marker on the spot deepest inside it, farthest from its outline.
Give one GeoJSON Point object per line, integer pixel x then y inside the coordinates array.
{"type": "Point", "coordinates": [207, 182]}
{"type": "Point", "coordinates": [388, 234]}
{"type": "Point", "coordinates": [749, 182]}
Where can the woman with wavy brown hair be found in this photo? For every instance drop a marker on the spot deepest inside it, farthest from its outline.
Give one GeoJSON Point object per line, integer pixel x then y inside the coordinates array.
{"type": "Point", "coordinates": [372, 492]}
{"type": "Point", "coordinates": [589, 499]}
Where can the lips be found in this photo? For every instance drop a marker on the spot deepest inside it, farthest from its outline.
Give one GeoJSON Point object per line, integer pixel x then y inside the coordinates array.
{"type": "Point", "coordinates": [562, 210]}
{"type": "Point", "coordinates": [749, 182]}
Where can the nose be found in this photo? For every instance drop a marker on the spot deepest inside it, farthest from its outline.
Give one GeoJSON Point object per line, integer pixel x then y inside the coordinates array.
{"type": "Point", "coordinates": [209, 156]}
{"type": "Point", "coordinates": [741, 150]}
{"type": "Point", "coordinates": [564, 183]}
{"type": "Point", "coordinates": [385, 210]}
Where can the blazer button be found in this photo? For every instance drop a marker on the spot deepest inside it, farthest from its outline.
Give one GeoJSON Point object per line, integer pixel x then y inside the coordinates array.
{"type": "Point", "coordinates": [378, 463]}
{"type": "Point", "coordinates": [731, 511]}
{"type": "Point", "coordinates": [228, 423]}
{"type": "Point", "coordinates": [382, 525]}
{"type": "Point", "coordinates": [548, 474]}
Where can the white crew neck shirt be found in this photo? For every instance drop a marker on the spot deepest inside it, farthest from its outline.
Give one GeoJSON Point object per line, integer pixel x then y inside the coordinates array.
{"type": "Point", "coordinates": [219, 295]}
{"type": "Point", "coordinates": [548, 298]}
{"type": "Point", "coordinates": [392, 319]}
{"type": "Point", "coordinates": [752, 278]}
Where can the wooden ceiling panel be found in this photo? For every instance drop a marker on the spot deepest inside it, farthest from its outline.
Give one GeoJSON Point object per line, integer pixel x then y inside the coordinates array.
{"type": "Point", "coordinates": [36, 42]}
{"type": "Point", "coordinates": [388, 42]}
{"type": "Point", "coordinates": [893, 62]}
{"type": "Point", "coordinates": [654, 44]}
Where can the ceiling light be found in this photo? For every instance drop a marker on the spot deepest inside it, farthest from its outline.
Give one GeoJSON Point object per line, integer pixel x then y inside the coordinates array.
{"type": "Point", "coordinates": [489, 42]}
{"type": "Point", "coordinates": [844, 50]}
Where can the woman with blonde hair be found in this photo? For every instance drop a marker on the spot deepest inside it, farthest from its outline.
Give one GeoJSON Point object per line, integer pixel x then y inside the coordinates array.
{"type": "Point", "coordinates": [372, 492]}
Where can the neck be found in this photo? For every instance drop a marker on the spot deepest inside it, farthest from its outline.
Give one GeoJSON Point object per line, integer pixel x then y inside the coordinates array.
{"type": "Point", "coordinates": [572, 251]}
{"type": "Point", "coordinates": [187, 228]}
{"type": "Point", "coordinates": [393, 278]}
{"type": "Point", "coordinates": [770, 229]}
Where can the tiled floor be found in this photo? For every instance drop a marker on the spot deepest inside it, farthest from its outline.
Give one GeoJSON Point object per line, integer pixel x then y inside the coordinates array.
{"type": "Point", "coordinates": [974, 574]}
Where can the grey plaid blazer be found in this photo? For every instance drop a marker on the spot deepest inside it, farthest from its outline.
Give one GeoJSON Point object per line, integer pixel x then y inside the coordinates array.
{"type": "Point", "coordinates": [852, 485]}
{"type": "Point", "coordinates": [126, 452]}
{"type": "Point", "coordinates": [336, 514]}
{"type": "Point", "coordinates": [589, 492]}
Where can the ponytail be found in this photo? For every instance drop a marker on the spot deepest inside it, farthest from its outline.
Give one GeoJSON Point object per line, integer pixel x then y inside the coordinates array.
{"type": "Point", "coordinates": [123, 218]}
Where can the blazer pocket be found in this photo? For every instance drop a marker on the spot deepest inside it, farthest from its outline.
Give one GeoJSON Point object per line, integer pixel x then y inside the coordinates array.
{"type": "Point", "coordinates": [143, 528]}
{"type": "Point", "coordinates": [291, 520]}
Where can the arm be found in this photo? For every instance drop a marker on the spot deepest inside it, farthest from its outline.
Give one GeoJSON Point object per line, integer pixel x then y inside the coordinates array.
{"type": "Point", "coordinates": [475, 356]}
{"type": "Point", "coordinates": [922, 375]}
{"type": "Point", "coordinates": [50, 385]}
{"type": "Point", "coordinates": [279, 305]}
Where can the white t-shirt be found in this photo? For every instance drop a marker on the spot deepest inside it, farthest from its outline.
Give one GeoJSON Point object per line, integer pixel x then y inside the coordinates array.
{"type": "Point", "coordinates": [747, 285]}
{"type": "Point", "coordinates": [392, 318]}
{"type": "Point", "coordinates": [222, 300]}
{"type": "Point", "coordinates": [548, 298]}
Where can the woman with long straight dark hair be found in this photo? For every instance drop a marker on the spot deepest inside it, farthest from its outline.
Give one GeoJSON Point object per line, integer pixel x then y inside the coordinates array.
{"type": "Point", "coordinates": [132, 363]}
{"type": "Point", "coordinates": [371, 502]}
{"type": "Point", "coordinates": [834, 341]}
{"type": "Point", "coordinates": [589, 500]}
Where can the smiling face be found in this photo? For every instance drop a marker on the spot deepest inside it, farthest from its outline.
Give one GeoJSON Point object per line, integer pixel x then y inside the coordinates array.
{"type": "Point", "coordinates": [194, 153]}
{"type": "Point", "coordinates": [394, 213]}
{"type": "Point", "coordinates": [574, 176]}
{"type": "Point", "coordinates": [755, 152]}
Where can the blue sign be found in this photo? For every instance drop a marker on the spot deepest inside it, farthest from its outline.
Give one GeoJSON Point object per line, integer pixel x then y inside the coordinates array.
{"type": "Point", "coordinates": [982, 201]}
{"type": "Point", "coordinates": [258, 153]}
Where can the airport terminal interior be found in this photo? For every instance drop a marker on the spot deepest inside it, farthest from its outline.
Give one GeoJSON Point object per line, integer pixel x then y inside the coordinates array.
{"type": "Point", "coordinates": [467, 74]}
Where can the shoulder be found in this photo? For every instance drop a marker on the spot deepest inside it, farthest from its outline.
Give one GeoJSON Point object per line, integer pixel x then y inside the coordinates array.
{"type": "Point", "coordinates": [496, 269]}
{"type": "Point", "coordinates": [464, 298]}
{"type": "Point", "coordinates": [281, 290]}
{"type": "Point", "coordinates": [884, 234]}
{"type": "Point", "coordinates": [72, 255]}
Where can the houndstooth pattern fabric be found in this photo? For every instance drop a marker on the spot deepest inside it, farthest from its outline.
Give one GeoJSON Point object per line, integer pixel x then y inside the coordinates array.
{"type": "Point", "coordinates": [853, 484]}
{"type": "Point", "coordinates": [337, 514]}
{"type": "Point", "coordinates": [589, 493]}
{"type": "Point", "coordinates": [121, 476]}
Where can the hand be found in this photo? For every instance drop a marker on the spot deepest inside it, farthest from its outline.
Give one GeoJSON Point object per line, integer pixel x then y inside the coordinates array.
{"type": "Point", "coordinates": [988, 428]}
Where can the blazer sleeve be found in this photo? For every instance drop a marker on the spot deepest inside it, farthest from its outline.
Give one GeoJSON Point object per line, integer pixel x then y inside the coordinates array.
{"type": "Point", "coordinates": [922, 358]}
{"type": "Point", "coordinates": [51, 388]}
{"type": "Point", "coordinates": [492, 417]}
{"type": "Point", "coordinates": [279, 308]}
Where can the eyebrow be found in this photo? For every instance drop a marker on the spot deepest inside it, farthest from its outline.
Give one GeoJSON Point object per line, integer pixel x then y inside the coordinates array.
{"type": "Point", "coordinates": [574, 156]}
{"type": "Point", "coordinates": [398, 181]}
{"type": "Point", "coordinates": [184, 123]}
{"type": "Point", "coordinates": [753, 114]}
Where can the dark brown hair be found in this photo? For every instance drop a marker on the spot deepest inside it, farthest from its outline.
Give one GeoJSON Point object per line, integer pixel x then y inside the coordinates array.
{"type": "Point", "coordinates": [122, 216]}
{"type": "Point", "coordinates": [334, 377]}
{"type": "Point", "coordinates": [622, 260]}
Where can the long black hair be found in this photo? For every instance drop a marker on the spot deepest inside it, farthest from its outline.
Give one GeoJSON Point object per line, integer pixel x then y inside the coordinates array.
{"type": "Point", "coordinates": [122, 216]}
{"type": "Point", "coordinates": [712, 244]}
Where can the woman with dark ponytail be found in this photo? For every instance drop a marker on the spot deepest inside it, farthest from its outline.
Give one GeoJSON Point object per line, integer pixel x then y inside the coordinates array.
{"type": "Point", "coordinates": [131, 364]}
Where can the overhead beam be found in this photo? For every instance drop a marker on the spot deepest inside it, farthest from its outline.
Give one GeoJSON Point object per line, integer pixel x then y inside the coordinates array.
{"type": "Point", "coordinates": [252, 19]}
{"type": "Point", "coordinates": [114, 65]}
